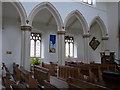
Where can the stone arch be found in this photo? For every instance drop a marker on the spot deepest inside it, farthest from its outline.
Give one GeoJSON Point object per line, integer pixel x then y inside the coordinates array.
{"type": "Point", "coordinates": [21, 11]}
{"type": "Point", "coordinates": [101, 24]}
{"type": "Point", "coordinates": [51, 9]}
{"type": "Point", "coordinates": [81, 19]}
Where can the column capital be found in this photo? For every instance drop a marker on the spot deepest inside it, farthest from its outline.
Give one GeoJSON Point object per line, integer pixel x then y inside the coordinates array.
{"type": "Point", "coordinates": [86, 35]}
{"type": "Point", "coordinates": [26, 28]}
{"type": "Point", "coordinates": [105, 37]}
{"type": "Point", "coordinates": [61, 32]}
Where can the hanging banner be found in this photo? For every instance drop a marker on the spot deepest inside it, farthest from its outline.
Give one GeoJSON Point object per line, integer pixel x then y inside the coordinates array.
{"type": "Point", "coordinates": [52, 44]}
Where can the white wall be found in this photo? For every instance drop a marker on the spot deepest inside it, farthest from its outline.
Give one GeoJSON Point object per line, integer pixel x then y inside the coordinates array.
{"type": "Point", "coordinates": [80, 47]}
{"type": "Point", "coordinates": [11, 41]}
{"type": "Point", "coordinates": [112, 13]}
{"type": "Point", "coordinates": [95, 55]}
{"type": "Point", "coordinates": [89, 12]}
{"type": "Point", "coordinates": [0, 37]}
{"type": "Point", "coordinates": [119, 29]}
{"type": "Point", "coordinates": [64, 8]}
{"type": "Point", "coordinates": [46, 55]}
{"type": "Point", "coordinates": [78, 44]}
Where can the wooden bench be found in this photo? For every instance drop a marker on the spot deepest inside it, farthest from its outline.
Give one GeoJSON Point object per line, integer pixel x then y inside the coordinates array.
{"type": "Point", "coordinates": [48, 86]}
{"type": "Point", "coordinates": [87, 72]}
{"type": "Point", "coordinates": [41, 74]}
{"type": "Point", "coordinates": [67, 71]}
{"type": "Point", "coordinates": [111, 79]}
{"type": "Point", "coordinates": [83, 85]}
{"type": "Point", "coordinates": [25, 76]}
{"type": "Point", "coordinates": [52, 67]}
{"type": "Point", "coordinates": [6, 76]}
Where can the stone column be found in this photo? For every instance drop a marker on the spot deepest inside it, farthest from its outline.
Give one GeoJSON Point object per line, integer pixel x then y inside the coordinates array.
{"type": "Point", "coordinates": [105, 39]}
{"type": "Point", "coordinates": [25, 47]}
{"type": "Point", "coordinates": [61, 48]}
{"type": "Point", "coordinates": [86, 48]}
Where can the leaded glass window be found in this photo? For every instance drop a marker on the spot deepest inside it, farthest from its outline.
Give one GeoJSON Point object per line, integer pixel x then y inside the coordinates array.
{"type": "Point", "coordinates": [69, 46]}
{"type": "Point", "coordinates": [35, 45]}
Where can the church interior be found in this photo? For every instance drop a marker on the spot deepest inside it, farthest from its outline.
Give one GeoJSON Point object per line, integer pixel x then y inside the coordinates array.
{"type": "Point", "coordinates": [60, 45]}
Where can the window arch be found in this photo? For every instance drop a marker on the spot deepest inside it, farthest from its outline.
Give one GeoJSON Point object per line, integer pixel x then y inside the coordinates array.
{"type": "Point", "coordinates": [21, 11]}
{"type": "Point", "coordinates": [51, 9]}
{"type": "Point", "coordinates": [102, 26]}
{"type": "Point", "coordinates": [81, 19]}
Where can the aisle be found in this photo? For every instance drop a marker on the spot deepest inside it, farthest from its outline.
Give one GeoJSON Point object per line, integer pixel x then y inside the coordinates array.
{"type": "Point", "coordinates": [58, 83]}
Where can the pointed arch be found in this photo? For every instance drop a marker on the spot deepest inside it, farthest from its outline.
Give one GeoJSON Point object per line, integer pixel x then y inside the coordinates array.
{"type": "Point", "coordinates": [51, 9]}
{"type": "Point", "coordinates": [21, 11]}
{"type": "Point", "coordinates": [100, 22]}
{"type": "Point", "coordinates": [81, 19]}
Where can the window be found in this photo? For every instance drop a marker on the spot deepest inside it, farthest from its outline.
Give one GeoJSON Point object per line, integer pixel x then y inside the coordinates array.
{"type": "Point", "coordinates": [69, 46]}
{"type": "Point", "coordinates": [35, 45]}
{"type": "Point", "coordinates": [88, 1]}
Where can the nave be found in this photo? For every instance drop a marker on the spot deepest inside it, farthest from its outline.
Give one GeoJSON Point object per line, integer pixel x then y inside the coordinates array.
{"type": "Point", "coordinates": [60, 46]}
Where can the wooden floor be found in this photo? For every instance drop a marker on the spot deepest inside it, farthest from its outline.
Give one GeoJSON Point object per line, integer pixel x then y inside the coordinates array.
{"type": "Point", "coordinates": [58, 83]}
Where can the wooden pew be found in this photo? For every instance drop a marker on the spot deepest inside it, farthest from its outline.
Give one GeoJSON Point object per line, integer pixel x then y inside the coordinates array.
{"type": "Point", "coordinates": [9, 82]}
{"type": "Point", "coordinates": [41, 74]}
{"type": "Point", "coordinates": [112, 68]}
{"type": "Point", "coordinates": [51, 67]}
{"type": "Point", "coordinates": [83, 85]}
{"type": "Point", "coordinates": [14, 67]}
{"type": "Point", "coordinates": [48, 86]}
{"type": "Point", "coordinates": [84, 71]}
{"type": "Point", "coordinates": [87, 72]}
{"type": "Point", "coordinates": [17, 73]}
{"type": "Point", "coordinates": [25, 76]}
{"type": "Point", "coordinates": [95, 71]}
{"type": "Point", "coordinates": [111, 79]}
{"type": "Point", "coordinates": [6, 76]}
{"type": "Point", "coordinates": [41, 68]}
{"type": "Point", "coordinates": [67, 71]}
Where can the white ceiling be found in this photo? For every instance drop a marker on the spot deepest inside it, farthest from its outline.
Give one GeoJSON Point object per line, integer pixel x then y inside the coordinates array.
{"type": "Point", "coordinates": [9, 11]}
{"type": "Point", "coordinates": [44, 19]}
{"type": "Point", "coordinates": [74, 26]}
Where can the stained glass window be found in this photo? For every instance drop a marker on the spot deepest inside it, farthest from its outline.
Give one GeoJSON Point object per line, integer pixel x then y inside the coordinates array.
{"type": "Point", "coordinates": [69, 46]}
{"type": "Point", "coordinates": [88, 1]}
{"type": "Point", "coordinates": [35, 45]}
